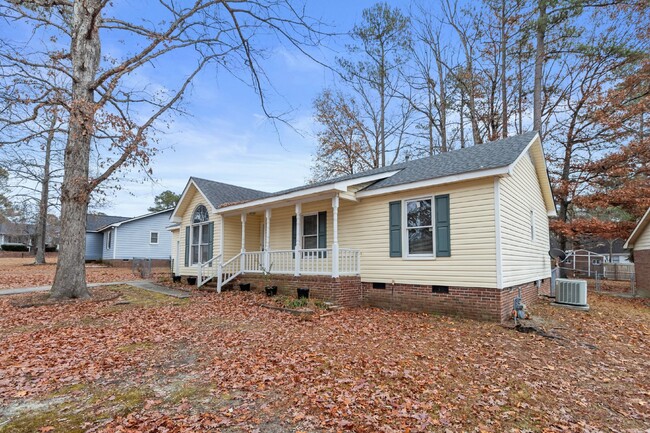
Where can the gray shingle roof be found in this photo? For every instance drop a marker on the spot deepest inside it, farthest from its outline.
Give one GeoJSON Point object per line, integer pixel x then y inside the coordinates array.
{"type": "Point", "coordinates": [96, 222]}
{"type": "Point", "coordinates": [220, 193]}
{"type": "Point", "coordinates": [486, 156]}
{"type": "Point", "coordinates": [496, 154]}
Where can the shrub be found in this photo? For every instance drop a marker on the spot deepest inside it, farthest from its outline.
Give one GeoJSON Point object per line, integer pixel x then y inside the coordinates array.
{"type": "Point", "coordinates": [14, 247]}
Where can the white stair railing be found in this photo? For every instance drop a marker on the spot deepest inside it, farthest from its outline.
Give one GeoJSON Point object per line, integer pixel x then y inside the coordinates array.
{"type": "Point", "coordinates": [230, 270]}
{"type": "Point", "coordinates": [207, 270]}
{"type": "Point", "coordinates": [349, 261]}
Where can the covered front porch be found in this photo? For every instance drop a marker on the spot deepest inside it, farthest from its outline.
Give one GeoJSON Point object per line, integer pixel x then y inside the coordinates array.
{"type": "Point", "coordinates": [309, 227]}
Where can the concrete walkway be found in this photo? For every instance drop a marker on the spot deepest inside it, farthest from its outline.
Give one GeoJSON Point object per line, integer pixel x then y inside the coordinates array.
{"type": "Point", "coordinates": [141, 284]}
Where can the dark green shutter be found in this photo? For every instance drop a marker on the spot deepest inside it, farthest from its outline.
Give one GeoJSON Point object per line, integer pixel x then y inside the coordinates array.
{"type": "Point", "coordinates": [211, 242]}
{"type": "Point", "coordinates": [293, 234]}
{"type": "Point", "coordinates": [322, 232]}
{"type": "Point", "coordinates": [395, 226]}
{"type": "Point", "coordinates": [443, 241]}
{"type": "Point", "coordinates": [187, 246]}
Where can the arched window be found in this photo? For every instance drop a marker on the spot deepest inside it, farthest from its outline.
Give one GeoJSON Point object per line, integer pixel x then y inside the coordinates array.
{"type": "Point", "coordinates": [201, 238]}
{"type": "Point", "coordinates": [200, 215]}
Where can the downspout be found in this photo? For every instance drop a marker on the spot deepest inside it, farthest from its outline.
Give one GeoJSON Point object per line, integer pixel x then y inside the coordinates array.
{"type": "Point", "coordinates": [114, 243]}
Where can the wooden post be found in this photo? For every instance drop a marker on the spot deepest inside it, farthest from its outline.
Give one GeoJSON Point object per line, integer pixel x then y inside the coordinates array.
{"type": "Point", "coordinates": [335, 237]}
{"type": "Point", "coordinates": [242, 258]}
{"type": "Point", "coordinates": [267, 239]}
{"type": "Point", "coordinates": [298, 246]}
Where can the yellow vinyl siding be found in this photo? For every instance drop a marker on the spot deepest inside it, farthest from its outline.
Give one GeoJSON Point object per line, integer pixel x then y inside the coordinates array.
{"type": "Point", "coordinates": [643, 241]}
{"type": "Point", "coordinates": [196, 199]}
{"type": "Point", "coordinates": [523, 258]}
{"type": "Point", "coordinates": [365, 226]}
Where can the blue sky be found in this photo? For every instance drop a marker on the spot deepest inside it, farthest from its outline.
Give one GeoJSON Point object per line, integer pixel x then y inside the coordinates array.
{"type": "Point", "coordinates": [225, 136]}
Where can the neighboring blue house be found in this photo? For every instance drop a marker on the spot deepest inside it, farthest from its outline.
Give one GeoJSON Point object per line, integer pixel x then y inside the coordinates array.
{"type": "Point", "coordinates": [94, 236]}
{"type": "Point", "coordinates": [120, 239]}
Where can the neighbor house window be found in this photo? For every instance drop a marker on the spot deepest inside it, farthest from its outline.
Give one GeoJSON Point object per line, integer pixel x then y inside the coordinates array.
{"type": "Point", "coordinates": [419, 227]}
{"type": "Point", "coordinates": [109, 239]}
{"type": "Point", "coordinates": [153, 237]}
{"type": "Point", "coordinates": [200, 236]}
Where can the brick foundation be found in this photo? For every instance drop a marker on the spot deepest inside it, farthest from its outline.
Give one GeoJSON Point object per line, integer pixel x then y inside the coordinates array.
{"type": "Point", "coordinates": [477, 303]}
{"type": "Point", "coordinates": [344, 291]}
{"type": "Point", "coordinates": [127, 263]}
{"type": "Point", "coordinates": [642, 272]}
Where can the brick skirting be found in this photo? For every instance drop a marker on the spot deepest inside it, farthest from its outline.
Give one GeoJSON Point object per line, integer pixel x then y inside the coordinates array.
{"type": "Point", "coordinates": [344, 291]}
{"type": "Point", "coordinates": [642, 272]}
{"type": "Point", "coordinates": [476, 303]}
{"type": "Point", "coordinates": [127, 263]}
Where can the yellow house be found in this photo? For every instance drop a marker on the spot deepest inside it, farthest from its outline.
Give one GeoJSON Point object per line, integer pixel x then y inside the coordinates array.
{"type": "Point", "coordinates": [463, 232]}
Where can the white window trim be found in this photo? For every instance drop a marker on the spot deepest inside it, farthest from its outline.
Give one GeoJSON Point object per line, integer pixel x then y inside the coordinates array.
{"type": "Point", "coordinates": [202, 226]}
{"type": "Point", "coordinates": [405, 244]}
{"type": "Point", "coordinates": [157, 238]}
{"type": "Point", "coordinates": [302, 230]}
{"type": "Point", "coordinates": [109, 239]}
{"type": "Point", "coordinates": [532, 225]}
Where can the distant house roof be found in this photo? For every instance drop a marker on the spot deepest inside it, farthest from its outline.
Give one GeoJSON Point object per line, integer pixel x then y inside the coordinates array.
{"type": "Point", "coordinates": [11, 228]}
{"type": "Point", "coordinates": [96, 222]}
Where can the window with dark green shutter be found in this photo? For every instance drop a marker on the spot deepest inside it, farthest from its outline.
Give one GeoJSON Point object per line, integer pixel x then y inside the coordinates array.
{"type": "Point", "coordinates": [187, 246]}
{"type": "Point", "coordinates": [443, 225]}
{"type": "Point", "coordinates": [395, 228]}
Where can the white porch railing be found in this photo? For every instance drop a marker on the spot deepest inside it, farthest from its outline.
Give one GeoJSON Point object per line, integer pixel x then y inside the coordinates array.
{"type": "Point", "coordinates": [349, 261]}
{"type": "Point", "coordinates": [310, 262]}
{"type": "Point", "coordinates": [208, 270]}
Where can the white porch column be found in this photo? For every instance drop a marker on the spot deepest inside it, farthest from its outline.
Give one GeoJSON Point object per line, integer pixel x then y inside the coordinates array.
{"type": "Point", "coordinates": [242, 258]}
{"type": "Point", "coordinates": [267, 239]}
{"type": "Point", "coordinates": [298, 246]}
{"type": "Point", "coordinates": [335, 237]}
{"type": "Point", "coordinates": [222, 230]}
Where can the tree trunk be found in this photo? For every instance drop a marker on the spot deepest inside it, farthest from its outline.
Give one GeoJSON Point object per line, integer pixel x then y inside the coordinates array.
{"type": "Point", "coordinates": [443, 105]}
{"type": "Point", "coordinates": [504, 87]}
{"type": "Point", "coordinates": [41, 227]}
{"type": "Point", "coordinates": [473, 117]}
{"type": "Point", "coordinates": [462, 120]}
{"type": "Point", "coordinates": [539, 66]}
{"type": "Point", "coordinates": [70, 278]}
{"type": "Point", "coordinates": [382, 112]}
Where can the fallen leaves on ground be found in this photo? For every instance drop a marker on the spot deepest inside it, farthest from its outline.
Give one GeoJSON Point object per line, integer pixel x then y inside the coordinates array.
{"type": "Point", "coordinates": [21, 272]}
{"type": "Point", "coordinates": [223, 363]}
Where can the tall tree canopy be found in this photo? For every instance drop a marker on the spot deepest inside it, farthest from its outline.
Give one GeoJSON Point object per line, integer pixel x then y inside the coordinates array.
{"type": "Point", "coordinates": [478, 71]}
{"type": "Point", "coordinates": [165, 200]}
{"type": "Point", "coordinates": [86, 57]}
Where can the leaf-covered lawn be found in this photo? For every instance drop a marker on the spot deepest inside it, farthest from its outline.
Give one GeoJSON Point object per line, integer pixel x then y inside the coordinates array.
{"type": "Point", "coordinates": [20, 272]}
{"type": "Point", "coordinates": [222, 363]}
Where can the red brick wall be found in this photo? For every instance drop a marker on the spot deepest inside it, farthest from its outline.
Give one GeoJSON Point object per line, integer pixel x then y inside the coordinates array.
{"type": "Point", "coordinates": [343, 291]}
{"type": "Point", "coordinates": [476, 303]}
{"type": "Point", "coordinates": [127, 263]}
{"type": "Point", "coordinates": [642, 272]}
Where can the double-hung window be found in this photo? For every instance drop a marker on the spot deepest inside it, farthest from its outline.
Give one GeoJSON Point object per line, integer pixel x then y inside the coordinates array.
{"type": "Point", "coordinates": [419, 227]}
{"type": "Point", "coordinates": [310, 235]}
{"type": "Point", "coordinates": [109, 239]}
{"type": "Point", "coordinates": [153, 237]}
{"type": "Point", "coordinates": [200, 238]}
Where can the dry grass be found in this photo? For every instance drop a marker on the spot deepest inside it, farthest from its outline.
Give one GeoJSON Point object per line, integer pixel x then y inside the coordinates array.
{"type": "Point", "coordinates": [21, 272]}
{"type": "Point", "coordinates": [222, 363]}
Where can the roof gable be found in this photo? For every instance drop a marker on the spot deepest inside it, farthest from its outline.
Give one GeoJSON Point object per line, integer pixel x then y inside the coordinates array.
{"type": "Point", "coordinates": [638, 230]}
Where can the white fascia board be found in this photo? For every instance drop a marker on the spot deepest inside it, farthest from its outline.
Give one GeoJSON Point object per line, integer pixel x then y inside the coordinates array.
{"type": "Point", "coordinates": [637, 230]}
{"type": "Point", "coordinates": [176, 218]}
{"type": "Point", "coordinates": [139, 217]}
{"type": "Point", "coordinates": [330, 187]}
{"type": "Point", "coordinates": [537, 138]}
{"type": "Point", "coordinates": [511, 167]}
{"type": "Point", "coordinates": [500, 171]}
